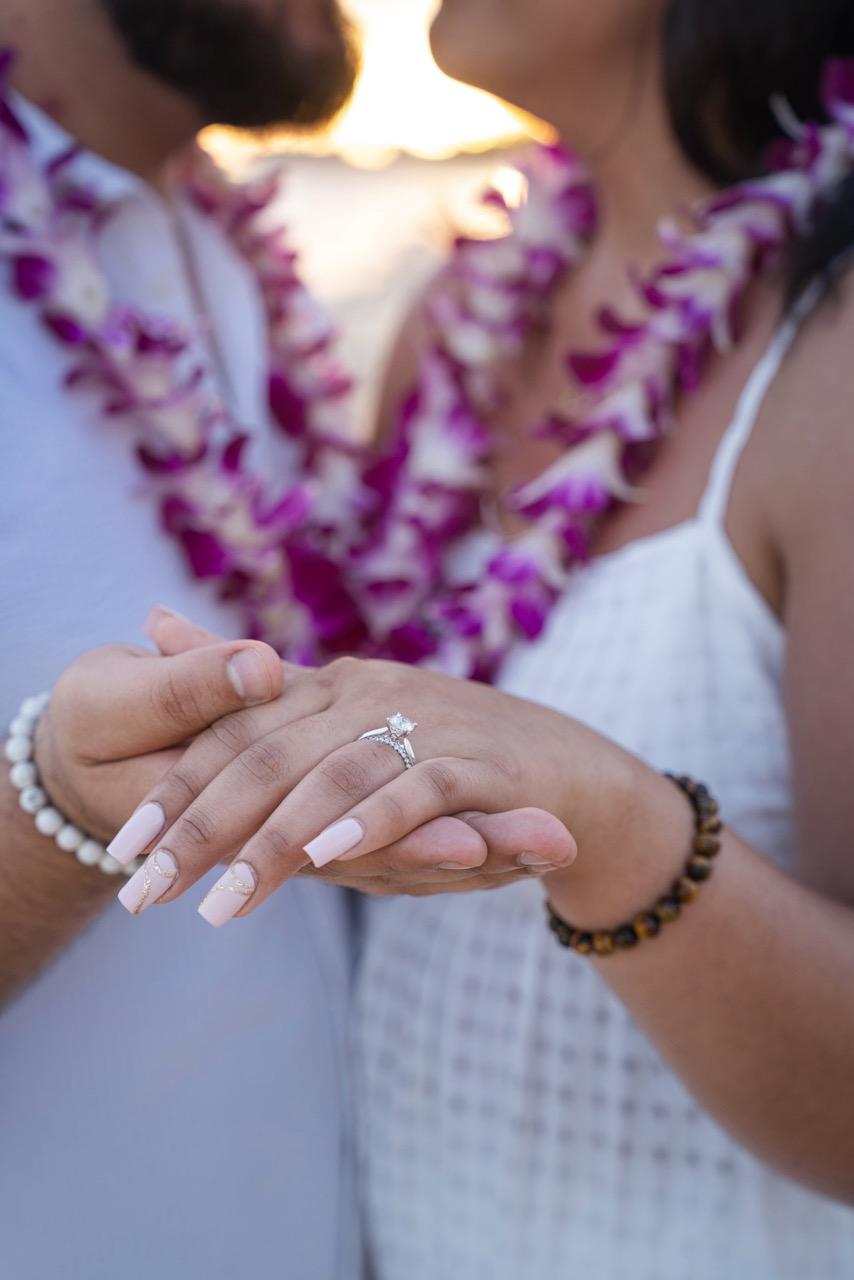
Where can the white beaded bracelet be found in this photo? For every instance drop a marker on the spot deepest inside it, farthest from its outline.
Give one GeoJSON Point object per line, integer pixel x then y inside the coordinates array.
{"type": "Point", "coordinates": [33, 798]}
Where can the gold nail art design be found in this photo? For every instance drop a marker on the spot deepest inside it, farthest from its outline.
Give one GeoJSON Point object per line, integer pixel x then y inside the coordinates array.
{"type": "Point", "coordinates": [171, 876]}
{"type": "Point", "coordinates": [240, 887]}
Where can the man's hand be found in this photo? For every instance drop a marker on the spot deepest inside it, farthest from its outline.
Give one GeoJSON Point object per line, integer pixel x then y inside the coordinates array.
{"type": "Point", "coordinates": [117, 720]}
{"type": "Point", "coordinates": [118, 715]}
{"type": "Point", "coordinates": [498, 847]}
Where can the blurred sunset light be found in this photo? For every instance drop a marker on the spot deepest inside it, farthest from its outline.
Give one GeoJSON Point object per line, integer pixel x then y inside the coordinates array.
{"type": "Point", "coordinates": [403, 102]}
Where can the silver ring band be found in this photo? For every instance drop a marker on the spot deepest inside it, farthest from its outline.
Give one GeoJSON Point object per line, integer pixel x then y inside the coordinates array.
{"type": "Point", "coordinates": [394, 743]}
{"type": "Point", "coordinates": [394, 734]}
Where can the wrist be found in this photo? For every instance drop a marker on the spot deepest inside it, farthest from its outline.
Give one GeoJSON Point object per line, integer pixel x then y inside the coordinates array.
{"type": "Point", "coordinates": [33, 798]}
{"type": "Point", "coordinates": [632, 845]}
{"type": "Point", "coordinates": [58, 771]}
{"type": "Point", "coordinates": [53, 771]}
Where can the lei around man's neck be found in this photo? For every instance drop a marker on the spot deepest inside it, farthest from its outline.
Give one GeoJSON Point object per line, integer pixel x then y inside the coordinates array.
{"type": "Point", "coordinates": [352, 553]}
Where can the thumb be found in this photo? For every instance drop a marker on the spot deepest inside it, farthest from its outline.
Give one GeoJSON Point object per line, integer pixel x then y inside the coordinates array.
{"type": "Point", "coordinates": [172, 633]}
{"type": "Point", "coordinates": [531, 831]}
{"type": "Point", "coordinates": [119, 702]}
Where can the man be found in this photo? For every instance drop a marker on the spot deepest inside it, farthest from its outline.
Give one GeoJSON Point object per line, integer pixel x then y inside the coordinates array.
{"type": "Point", "coordinates": [137, 1071]}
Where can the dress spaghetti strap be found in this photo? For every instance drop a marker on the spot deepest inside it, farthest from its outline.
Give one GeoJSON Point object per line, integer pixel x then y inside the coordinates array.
{"type": "Point", "coordinates": [715, 501]}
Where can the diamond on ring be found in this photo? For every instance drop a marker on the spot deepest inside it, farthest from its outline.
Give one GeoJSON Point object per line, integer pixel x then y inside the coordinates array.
{"type": "Point", "coordinates": [400, 725]}
{"type": "Point", "coordinates": [394, 734]}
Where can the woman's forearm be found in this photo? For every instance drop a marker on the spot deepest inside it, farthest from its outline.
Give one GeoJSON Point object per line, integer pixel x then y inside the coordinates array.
{"type": "Point", "coordinates": [748, 996]}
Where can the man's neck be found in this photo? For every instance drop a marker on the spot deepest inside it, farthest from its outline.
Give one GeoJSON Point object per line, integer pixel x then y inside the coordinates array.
{"type": "Point", "coordinates": [72, 65]}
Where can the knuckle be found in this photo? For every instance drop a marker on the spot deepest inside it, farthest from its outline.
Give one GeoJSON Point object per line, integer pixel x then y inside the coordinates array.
{"type": "Point", "coordinates": [64, 690]}
{"type": "Point", "coordinates": [182, 785]}
{"type": "Point", "coordinates": [392, 814]}
{"type": "Point", "coordinates": [343, 668]}
{"type": "Point", "coordinates": [351, 673]}
{"type": "Point", "coordinates": [506, 768]}
{"type": "Point", "coordinates": [265, 763]}
{"type": "Point", "coordinates": [346, 775]}
{"type": "Point", "coordinates": [275, 841]}
{"type": "Point", "coordinates": [442, 781]}
{"type": "Point", "coordinates": [323, 677]}
{"type": "Point", "coordinates": [232, 732]}
{"type": "Point", "coordinates": [178, 702]}
{"type": "Point", "coordinates": [195, 830]}
{"type": "Point", "coordinates": [70, 713]}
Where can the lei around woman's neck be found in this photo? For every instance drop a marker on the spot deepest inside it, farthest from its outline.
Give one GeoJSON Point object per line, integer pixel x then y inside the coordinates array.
{"type": "Point", "coordinates": [360, 554]}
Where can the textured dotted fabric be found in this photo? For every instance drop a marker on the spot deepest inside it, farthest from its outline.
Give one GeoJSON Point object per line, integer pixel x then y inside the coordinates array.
{"type": "Point", "coordinates": [515, 1123]}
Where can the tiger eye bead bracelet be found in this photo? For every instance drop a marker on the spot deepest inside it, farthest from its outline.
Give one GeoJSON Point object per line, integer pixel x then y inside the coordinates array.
{"type": "Point", "coordinates": [699, 867]}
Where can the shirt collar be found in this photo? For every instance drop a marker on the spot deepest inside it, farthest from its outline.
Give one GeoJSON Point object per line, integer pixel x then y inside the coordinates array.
{"type": "Point", "coordinates": [49, 140]}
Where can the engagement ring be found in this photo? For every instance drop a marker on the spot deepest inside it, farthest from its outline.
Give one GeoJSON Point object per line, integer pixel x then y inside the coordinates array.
{"type": "Point", "coordinates": [394, 734]}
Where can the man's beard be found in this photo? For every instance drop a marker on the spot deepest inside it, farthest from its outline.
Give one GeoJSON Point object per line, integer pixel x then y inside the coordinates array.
{"type": "Point", "coordinates": [238, 67]}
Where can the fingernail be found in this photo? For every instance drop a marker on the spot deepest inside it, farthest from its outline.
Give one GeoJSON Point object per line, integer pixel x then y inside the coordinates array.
{"type": "Point", "coordinates": [137, 834]}
{"type": "Point", "coordinates": [158, 873]}
{"type": "Point", "coordinates": [454, 866]}
{"type": "Point", "coordinates": [247, 671]}
{"type": "Point", "coordinates": [536, 862]}
{"type": "Point", "coordinates": [155, 614]}
{"type": "Point", "coordinates": [229, 895]}
{"type": "Point", "coordinates": [335, 841]}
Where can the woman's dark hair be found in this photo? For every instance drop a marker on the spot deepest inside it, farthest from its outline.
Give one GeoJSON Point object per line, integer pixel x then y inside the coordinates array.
{"type": "Point", "coordinates": [725, 60]}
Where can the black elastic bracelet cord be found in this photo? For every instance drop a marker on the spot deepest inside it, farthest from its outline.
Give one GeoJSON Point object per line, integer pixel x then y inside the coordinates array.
{"type": "Point", "coordinates": [698, 869]}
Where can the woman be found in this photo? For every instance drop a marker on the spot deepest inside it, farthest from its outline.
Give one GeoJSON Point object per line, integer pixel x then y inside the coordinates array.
{"type": "Point", "coordinates": [668, 1101]}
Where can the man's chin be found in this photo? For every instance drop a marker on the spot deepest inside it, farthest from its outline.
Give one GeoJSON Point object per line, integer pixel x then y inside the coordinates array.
{"type": "Point", "coordinates": [238, 67]}
{"type": "Point", "coordinates": [323, 28]}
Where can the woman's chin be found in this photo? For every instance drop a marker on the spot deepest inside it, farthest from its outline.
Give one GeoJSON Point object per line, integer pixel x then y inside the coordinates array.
{"type": "Point", "coordinates": [453, 40]}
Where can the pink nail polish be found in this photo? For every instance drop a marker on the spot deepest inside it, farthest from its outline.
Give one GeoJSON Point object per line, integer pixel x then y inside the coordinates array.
{"type": "Point", "coordinates": [148, 886]}
{"type": "Point", "coordinates": [335, 841]}
{"type": "Point", "coordinates": [229, 895]}
{"type": "Point", "coordinates": [138, 833]}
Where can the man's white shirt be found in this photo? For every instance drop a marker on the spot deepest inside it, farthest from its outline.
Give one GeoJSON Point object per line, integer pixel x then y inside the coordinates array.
{"type": "Point", "coordinates": [173, 1100]}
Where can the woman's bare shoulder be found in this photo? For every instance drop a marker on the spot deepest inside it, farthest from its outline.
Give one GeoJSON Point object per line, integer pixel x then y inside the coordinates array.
{"type": "Point", "coordinates": [811, 467]}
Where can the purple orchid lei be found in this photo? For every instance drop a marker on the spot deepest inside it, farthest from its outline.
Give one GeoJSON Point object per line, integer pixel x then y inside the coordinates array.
{"type": "Point", "coordinates": [268, 548]}
{"type": "Point", "coordinates": [384, 553]}
{"type": "Point", "coordinates": [441, 590]}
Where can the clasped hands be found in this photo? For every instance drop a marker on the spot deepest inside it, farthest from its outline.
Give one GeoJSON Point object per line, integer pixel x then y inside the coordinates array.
{"type": "Point", "coordinates": [287, 786]}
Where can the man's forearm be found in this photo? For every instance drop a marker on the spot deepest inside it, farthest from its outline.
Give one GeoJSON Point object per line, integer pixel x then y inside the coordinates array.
{"type": "Point", "coordinates": [46, 896]}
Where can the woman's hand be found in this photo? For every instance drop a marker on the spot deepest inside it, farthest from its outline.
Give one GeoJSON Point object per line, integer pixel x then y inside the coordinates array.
{"type": "Point", "coordinates": [291, 784]}
{"type": "Point", "coordinates": [118, 717]}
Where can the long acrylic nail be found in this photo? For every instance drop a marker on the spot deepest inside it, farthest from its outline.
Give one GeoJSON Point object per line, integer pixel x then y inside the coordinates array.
{"type": "Point", "coordinates": [229, 895]}
{"type": "Point", "coordinates": [155, 876]}
{"type": "Point", "coordinates": [335, 841]}
{"type": "Point", "coordinates": [247, 671]}
{"type": "Point", "coordinates": [140, 830]}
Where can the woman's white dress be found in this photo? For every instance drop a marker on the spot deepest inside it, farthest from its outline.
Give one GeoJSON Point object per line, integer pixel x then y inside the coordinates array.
{"type": "Point", "coordinates": [515, 1123]}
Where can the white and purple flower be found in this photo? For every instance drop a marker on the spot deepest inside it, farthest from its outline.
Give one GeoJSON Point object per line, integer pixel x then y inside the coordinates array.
{"type": "Point", "coordinates": [385, 553]}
